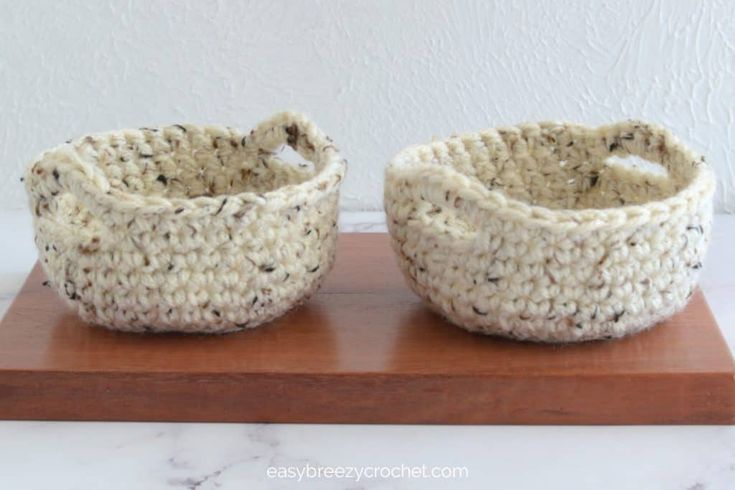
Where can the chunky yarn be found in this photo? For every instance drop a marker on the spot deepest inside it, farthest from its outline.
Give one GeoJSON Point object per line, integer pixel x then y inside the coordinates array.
{"type": "Point", "coordinates": [532, 232]}
{"type": "Point", "coordinates": [187, 228]}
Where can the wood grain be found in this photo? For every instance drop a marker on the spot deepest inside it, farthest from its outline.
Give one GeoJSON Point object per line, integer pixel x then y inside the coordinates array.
{"type": "Point", "coordinates": [363, 350]}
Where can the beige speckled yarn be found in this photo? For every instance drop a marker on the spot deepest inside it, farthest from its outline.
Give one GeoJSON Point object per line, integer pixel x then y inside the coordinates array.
{"type": "Point", "coordinates": [528, 232]}
{"type": "Point", "coordinates": [187, 228]}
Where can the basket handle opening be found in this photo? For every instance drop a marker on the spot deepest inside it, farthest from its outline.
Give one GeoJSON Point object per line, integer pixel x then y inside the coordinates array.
{"type": "Point", "coordinates": [442, 202]}
{"type": "Point", "coordinates": [648, 148]}
{"type": "Point", "coordinates": [56, 198]}
{"type": "Point", "coordinates": [296, 131]}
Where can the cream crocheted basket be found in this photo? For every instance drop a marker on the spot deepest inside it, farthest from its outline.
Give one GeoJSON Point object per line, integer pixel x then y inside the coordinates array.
{"type": "Point", "coordinates": [187, 228]}
{"type": "Point", "coordinates": [531, 232]}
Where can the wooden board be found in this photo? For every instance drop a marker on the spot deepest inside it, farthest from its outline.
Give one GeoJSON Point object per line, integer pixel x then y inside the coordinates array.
{"type": "Point", "coordinates": [363, 350]}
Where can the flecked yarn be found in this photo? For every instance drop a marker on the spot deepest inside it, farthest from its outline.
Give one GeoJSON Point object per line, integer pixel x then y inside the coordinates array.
{"type": "Point", "coordinates": [187, 228]}
{"type": "Point", "coordinates": [532, 232]}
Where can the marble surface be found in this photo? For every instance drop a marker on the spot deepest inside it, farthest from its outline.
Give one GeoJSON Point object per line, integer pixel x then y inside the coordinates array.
{"type": "Point", "coordinates": [66, 455]}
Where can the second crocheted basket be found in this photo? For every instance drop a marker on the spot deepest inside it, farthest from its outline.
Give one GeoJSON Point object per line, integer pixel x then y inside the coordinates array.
{"type": "Point", "coordinates": [535, 232]}
{"type": "Point", "coordinates": [187, 228]}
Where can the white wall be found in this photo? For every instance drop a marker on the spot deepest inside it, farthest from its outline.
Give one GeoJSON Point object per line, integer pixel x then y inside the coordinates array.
{"type": "Point", "coordinates": [376, 75]}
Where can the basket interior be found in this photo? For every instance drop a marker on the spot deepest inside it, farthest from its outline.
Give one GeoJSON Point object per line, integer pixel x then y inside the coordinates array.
{"type": "Point", "coordinates": [190, 162]}
{"type": "Point", "coordinates": [562, 167]}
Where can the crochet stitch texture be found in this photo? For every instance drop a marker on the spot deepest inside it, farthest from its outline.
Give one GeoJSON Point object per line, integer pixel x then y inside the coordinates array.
{"type": "Point", "coordinates": [527, 232]}
{"type": "Point", "coordinates": [187, 228]}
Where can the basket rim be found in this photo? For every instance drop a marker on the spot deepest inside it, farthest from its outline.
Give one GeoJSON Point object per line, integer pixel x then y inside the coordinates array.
{"type": "Point", "coordinates": [483, 201]}
{"type": "Point", "coordinates": [96, 190]}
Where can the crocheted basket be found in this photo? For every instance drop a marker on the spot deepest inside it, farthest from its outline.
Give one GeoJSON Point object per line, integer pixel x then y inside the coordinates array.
{"type": "Point", "coordinates": [187, 228]}
{"type": "Point", "coordinates": [530, 232]}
